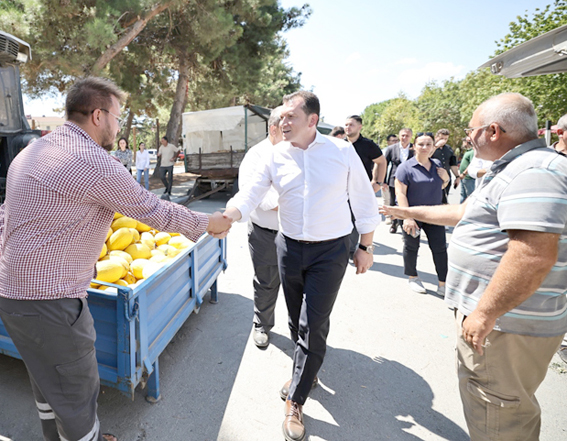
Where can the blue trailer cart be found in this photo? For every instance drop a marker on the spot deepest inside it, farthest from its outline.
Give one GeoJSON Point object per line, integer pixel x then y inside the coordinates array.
{"type": "Point", "coordinates": [134, 326]}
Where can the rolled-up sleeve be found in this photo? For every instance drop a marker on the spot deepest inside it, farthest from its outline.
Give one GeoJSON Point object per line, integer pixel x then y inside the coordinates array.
{"type": "Point", "coordinates": [134, 201]}
{"type": "Point", "coordinates": [361, 196]}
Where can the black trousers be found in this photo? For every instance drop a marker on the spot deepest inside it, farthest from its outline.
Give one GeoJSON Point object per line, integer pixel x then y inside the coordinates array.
{"type": "Point", "coordinates": [261, 242]}
{"type": "Point", "coordinates": [167, 182]}
{"type": "Point", "coordinates": [311, 277]}
{"type": "Point", "coordinates": [395, 222]}
{"type": "Point", "coordinates": [437, 243]}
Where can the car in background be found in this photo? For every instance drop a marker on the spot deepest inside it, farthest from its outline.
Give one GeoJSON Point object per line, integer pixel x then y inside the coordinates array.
{"type": "Point", "coordinates": [181, 156]}
{"type": "Point", "coordinates": [153, 155]}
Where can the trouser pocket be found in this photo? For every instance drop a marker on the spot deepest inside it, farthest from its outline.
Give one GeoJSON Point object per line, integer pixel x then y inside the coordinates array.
{"type": "Point", "coordinates": [23, 328]}
{"type": "Point", "coordinates": [79, 379]}
{"type": "Point", "coordinates": [490, 411]}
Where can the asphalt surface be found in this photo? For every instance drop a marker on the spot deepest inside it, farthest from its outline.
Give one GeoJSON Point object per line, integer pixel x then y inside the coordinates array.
{"type": "Point", "coordinates": [389, 372]}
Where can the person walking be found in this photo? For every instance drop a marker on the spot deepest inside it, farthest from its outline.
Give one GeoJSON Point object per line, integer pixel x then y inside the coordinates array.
{"type": "Point", "coordinates": [420, 181]}
{"type": "Point", "coordinates": [316, 177]}
{"type": "Point", "coordinates": [506, 280]}
{"type": "Point", "coordinates": [143, 165]}
{"type": "Point", "coordinates": [263, 228]}
{"type": "Point", "coordinates": [395, 155]}
{"type": "Point", "coordinates": [61, 195]}
{"type": "Point", "coordinates": [467, 181]}
{"type": "Point", "coordinates": [168, 153]}
{"type": "Point", "coordinates": [124, 154]}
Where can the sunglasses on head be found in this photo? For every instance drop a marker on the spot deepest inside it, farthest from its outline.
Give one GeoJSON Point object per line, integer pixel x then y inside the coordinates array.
{"type": "Point", "coordinates": [418, 134]}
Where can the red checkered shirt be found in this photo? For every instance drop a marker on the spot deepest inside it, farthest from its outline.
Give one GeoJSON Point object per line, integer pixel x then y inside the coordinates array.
{"type": "Point", "coordinates": [62, 192]}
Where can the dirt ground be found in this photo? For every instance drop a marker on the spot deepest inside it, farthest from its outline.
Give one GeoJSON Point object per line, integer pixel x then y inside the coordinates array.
{"type": "Point", "coordinates": [178, 178]}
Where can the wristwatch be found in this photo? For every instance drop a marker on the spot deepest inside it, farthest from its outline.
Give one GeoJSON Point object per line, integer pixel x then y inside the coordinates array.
{"type": "Point", "coordinates": [369, 249]}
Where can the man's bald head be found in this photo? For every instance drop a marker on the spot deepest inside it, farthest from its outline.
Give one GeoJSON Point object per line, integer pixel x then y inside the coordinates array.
{"type": "Point", "coordinates": [513, 112]}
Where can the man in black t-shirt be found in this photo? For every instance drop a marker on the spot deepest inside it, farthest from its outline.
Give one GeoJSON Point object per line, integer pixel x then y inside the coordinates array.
{"type": "Point", "coordinates": [372, 159]}
{"type": "Point", "coordinates": [445, 154]}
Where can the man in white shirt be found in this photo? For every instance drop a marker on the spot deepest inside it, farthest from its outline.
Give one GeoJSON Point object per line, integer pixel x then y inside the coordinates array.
{"type": "Point", "coordinates": [316, 177]}
{"type": "Point", "coordinates": [262, 230]}
{"type": "Point", "coordinates": [169, 154]}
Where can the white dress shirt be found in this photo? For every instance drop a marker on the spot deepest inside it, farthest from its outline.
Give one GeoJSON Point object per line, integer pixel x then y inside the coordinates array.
{"type": "Point", "coordinates": [315, 186]}
{"type": "Point", "coordinates": [264, 215]}
{"type": "Point", "coordinates": [404, 153]}
{"type": "Point", "coordinates": [475, 166]}
{"type": "Point", "coordinates": [142, 160]}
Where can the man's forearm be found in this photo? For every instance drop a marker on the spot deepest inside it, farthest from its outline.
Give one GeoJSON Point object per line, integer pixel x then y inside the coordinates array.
{"type": "Point", "coordinates": [435, 214]}
{"type": "Point", "coordinates": [367, 238]}
{"type": "Point", "coordinates": [524, 266]}
{"type": "Point", "coordinates": [233, 213]}
{"type": "Point", "coordinates": [455, 171]}
{"type": "Point", "coordinates": [379, 170]}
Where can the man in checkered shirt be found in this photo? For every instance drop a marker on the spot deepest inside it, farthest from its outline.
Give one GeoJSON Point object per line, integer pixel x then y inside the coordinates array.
{"type": "Point", "coordinates": [61, 196]}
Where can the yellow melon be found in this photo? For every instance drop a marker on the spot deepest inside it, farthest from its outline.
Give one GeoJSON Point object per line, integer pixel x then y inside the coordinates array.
{"type": "Point", "coordinates": [122, 254]}
{"type": "Point", "coordinates": [162, 238]}
{"type": "Point", "coordinates": [148, 240]}
{"type": "Point", "coordinates": [103, 251]}
{"type": "Point", "coordinates": [120, 239]}
{"type": "Point", "coordinates": [123, 262]}
{"type": "Point", "coordinates": [179, 242]}
{"type": "Point", "coordinates": [121, 282]}
{"type": "Point", "coordinates": [109, 270]}
{"type": "Point", "coordinates": [169, 250]}
{"type": "Point", "coordinates": [109, 233]}
{"type": "Point", "coordinates": [129, 279]}
{"type": "Point", "coordinates": [142, 228]}
{"type": "Point", "coordinates": [124, 222]}
{"type": "Point", "coordinates": [137, 266]}
{"type": "Point", "coordinates": [135, 235]}
{"type": "Point", "coordinates": [117, 215]}
{"type": "Point", "coordinates": [157, 253]}
{"type": "Point", "coordinates": [138, 251]}
{"type": "Point", "coordinates": [158, 258]}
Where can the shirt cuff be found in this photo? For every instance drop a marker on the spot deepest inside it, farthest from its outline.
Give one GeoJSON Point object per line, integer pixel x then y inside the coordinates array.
{"type": "Point", "coordinates": [201, 222]}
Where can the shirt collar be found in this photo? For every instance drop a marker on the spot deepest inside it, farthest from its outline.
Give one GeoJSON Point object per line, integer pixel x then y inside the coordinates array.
{"type": "Point", "coordinates": [75, 128]}
{"type": "Point", "coordinates": [516, 152]}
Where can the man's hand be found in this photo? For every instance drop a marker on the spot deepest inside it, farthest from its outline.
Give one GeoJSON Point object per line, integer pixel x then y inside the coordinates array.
{"type": "Point", "coordinates": [219, 225]}
{"type": "Point", "coordinates": [375, 187]}
{"type": "Point", "coordinates": [363, 261]}
{"type": "Point", "coordinates": [394, 211]}
{"type": "Point", "coordinates": [385, 187]}
{"type": "Point", "coordinates": [475, 329]}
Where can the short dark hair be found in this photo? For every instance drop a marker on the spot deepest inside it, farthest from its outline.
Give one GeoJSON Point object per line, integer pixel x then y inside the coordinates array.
{"type": "Point", "coordinates": [165, 137]}
{"type": "Point", "coordinates": [338, 130]}
{"type": "Point", "coordinates": [390, 136]}
{"type": "Point", "coordinates": [88, 94]}
{"type": "Point", "coordinates": [357, 118]}
{"type": "Point", "coordinates": [125, 140]}
{"type": "Point", "coordinates": [311, 102]}
{"type": "Point", "coordinates": [444, 132]}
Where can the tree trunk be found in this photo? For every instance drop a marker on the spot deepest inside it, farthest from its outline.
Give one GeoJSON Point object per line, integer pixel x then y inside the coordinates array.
{"type": "Point", "coordinates": [131, 33]}
{"type": "Point", "coordinates": [128, 127]}
{"type": "Point", "coordinates": [179, 102]}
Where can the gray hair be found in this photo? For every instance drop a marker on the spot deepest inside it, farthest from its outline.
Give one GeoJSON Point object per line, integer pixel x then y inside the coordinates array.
{"type": "Point", "coordinates": [513, 112]}
{"type": "Point", "coordinates": [562, 123]}
{"type": "Point", "coordinates": [275, 117]}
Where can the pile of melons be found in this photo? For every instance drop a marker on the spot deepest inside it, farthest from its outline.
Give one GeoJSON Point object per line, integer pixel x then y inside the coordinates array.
{"type": "Point", "coordinates": [134, 251]}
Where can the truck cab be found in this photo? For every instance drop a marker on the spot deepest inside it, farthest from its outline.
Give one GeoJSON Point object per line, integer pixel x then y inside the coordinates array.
{"type": "Point", "coordinates": [15, 132]}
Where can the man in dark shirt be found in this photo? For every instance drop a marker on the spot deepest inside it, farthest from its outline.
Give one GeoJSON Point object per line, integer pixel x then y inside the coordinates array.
{"type": "Point", "coordinates": [445, 154]}
{"type": "Point", "coordinates": [372, 159]}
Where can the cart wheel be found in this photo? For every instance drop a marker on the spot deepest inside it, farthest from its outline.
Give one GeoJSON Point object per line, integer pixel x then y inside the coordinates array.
{"type": "Point", "coordinates": [153, 400]}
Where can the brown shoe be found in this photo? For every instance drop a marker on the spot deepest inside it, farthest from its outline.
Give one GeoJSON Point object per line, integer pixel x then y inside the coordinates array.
{"type": "Point", "coordinates": [293, 428]}
{"type": "Point", "coordinates": [284, 391]}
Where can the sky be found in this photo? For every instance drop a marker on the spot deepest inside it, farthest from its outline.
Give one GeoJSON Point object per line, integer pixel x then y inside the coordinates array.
{"type": "Point", "coordinates": [359, 52]}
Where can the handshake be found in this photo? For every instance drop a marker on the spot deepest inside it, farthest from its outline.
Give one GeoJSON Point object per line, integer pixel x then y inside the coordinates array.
{"type": "Point", "coordinates": [220, 223]}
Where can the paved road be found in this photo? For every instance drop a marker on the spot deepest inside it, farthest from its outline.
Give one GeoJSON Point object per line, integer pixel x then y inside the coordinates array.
{"type": "Point", "coordinates": [389, 373]}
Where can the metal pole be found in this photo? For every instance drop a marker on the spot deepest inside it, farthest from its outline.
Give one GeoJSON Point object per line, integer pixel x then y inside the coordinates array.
{"type": "Point", "coordinates": [548, 132]}
{"type": "Point", "coordinates": [245, 128]}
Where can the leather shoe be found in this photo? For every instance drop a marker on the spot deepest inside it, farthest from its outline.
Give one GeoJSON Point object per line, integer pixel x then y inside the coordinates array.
{"type": "Point", "coordinates": [394, 228]}
{"type": "Point", "coordinates": [284, 391]}
{"type": "Point", "coordinates": [293, 428]}
{"type": "Point", "coordinates": [260, 338]}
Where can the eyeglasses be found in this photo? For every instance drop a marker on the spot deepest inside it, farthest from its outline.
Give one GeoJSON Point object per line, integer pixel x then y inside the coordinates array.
{"type": "Point", "coordinates": [119, 120]}
{"type": "Point", "coordinates": [469, 130]}
{"type": "Point", "coordinates": [418, 134]}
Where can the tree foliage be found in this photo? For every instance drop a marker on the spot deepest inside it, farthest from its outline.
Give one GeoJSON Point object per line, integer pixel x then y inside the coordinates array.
{"type": "Point", "coordinates": [450, 104]}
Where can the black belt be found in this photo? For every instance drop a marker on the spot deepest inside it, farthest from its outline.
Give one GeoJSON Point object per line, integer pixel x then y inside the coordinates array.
{"type": "Point", "coordinates": [311, 242]}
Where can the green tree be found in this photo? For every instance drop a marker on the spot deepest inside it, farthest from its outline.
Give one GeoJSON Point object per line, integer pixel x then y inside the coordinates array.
{"type": "Point", "coordinates": [398, 113]}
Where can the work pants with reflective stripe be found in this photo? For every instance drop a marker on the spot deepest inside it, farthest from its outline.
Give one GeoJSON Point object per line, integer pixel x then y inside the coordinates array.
{"type": "Point", "coordinates": [498, 388]}
{"type": "Point", "coordinates": [55, 339]}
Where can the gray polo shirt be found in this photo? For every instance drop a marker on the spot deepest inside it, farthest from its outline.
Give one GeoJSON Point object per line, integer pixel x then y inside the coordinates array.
{"type": "Point", "coordinates": [526, 189]}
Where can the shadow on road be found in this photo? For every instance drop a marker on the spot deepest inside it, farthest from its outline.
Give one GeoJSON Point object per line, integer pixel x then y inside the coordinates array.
{"type": "Point", "coordinates": [373, 399]}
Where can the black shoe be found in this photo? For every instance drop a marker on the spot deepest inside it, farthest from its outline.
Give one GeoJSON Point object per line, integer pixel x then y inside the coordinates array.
{"type": "Point", "coordinates": [394, 228]}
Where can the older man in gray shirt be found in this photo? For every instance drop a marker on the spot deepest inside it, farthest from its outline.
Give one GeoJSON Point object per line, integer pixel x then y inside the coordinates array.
{"type": "Point", "coordinates": [507, 278]}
